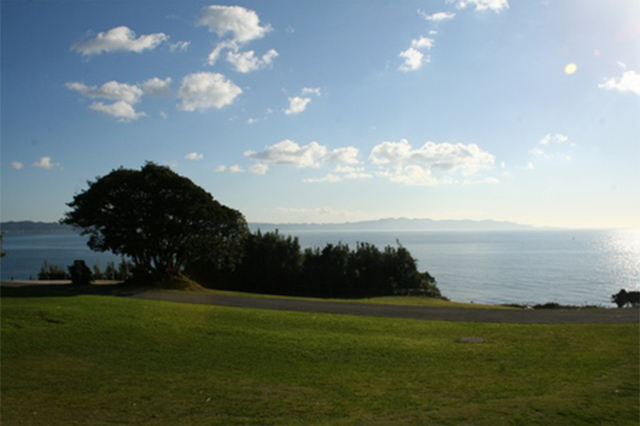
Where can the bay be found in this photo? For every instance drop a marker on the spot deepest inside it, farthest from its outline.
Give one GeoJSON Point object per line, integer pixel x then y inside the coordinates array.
{"type": "Point", "coordinates": [576, 267]}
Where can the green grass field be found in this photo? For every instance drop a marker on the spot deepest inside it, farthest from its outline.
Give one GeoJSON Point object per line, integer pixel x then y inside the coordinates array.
{"type": "Point", "coordinates": [93, 360]}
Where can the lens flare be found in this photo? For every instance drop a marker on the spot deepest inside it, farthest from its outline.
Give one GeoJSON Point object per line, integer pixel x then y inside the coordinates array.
{"type": "Point", "coordinates": [570, 68]}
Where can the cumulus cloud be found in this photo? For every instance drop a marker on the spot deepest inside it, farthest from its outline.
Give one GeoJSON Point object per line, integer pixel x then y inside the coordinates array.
{"type": "Point", "coordinates": [628, 82]}
{"type": "Point", "coordinates": [290, 153]}
{"type": "Point", "coordinates": [414, 58]}
{"type": "Point", "coordinates": [119, 39]}
{"type": "Point", "coordinates": [157, 87]}
{"type": "Point", "coordinates": [194, 156]}
{"type": "Point", "coordinates": [482, 5]}
{"type": "Point", "coordinates": [297, 104]}
{"type": "Point", "coordinates": [243, 24]}
{"type": "Point", "coordinates": [204, 90]}
{"type": "Point", "coordinates": [17, 165]}
{"type": "Point", "coordinates": [111, 90]}
{"type": "Point", "coordinates": [246, 62]}
{"type": "Point", "coordinates": [124, 95]}
{"type": "Point", "coordinates": [45, 163]}
{"type": "Point", "coordinates": [419, 166]}
{"type": "Point", "coordinates": [346, 155]}
{"type": "Point", "coordinates": [121, 110]}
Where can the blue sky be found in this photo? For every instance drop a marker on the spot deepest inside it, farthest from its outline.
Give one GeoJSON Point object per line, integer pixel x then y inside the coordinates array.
{"type": "Point", "coordinates": [316, 111]}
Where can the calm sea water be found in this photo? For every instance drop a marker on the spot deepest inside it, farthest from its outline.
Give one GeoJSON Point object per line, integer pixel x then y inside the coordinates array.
{"type": "Point", "coordinates": [578, 267]}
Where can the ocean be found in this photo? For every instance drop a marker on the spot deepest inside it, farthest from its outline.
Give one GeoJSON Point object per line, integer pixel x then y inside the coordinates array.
{"type": "Point", "coordinates": [576, 267]}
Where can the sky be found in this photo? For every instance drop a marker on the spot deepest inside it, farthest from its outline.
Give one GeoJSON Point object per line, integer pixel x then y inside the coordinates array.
{"type": "Point", "coordinates": [330, 111]}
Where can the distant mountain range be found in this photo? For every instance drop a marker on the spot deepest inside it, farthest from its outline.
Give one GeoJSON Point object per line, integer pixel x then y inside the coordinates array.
{"type": "Point", "coordinates": [400, 224]}
{"type": "Point", "coordinates": [26, 227]}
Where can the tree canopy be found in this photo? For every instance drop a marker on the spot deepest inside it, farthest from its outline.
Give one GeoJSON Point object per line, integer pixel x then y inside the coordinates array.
{"type": "Point", "coordinates": [157, 218]}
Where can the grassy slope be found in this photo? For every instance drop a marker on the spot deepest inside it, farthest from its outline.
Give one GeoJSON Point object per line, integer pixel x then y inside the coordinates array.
{"type": "Point", "coordinates": [103, 360]}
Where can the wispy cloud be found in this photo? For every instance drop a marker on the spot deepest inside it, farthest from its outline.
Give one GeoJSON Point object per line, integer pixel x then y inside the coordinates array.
{"type": "Point", "coordinates": [437, 17]}
{"type": "Point", "coordinates": [17, 165]}
{"type": "Point", "coordinates": [482, 5]}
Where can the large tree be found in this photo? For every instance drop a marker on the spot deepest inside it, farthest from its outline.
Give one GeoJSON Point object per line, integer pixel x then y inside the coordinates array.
{"type": "Point", "coordinates": [160, 220]}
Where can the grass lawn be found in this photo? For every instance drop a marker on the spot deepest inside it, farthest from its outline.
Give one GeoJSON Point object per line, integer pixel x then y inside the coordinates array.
{"type": "Point", "coordinates": [105, 360]}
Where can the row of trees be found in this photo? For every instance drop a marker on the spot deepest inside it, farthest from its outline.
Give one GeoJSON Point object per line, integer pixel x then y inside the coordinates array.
{"type": "Point", "coordinates": [275, 264]}
{"type": "Point", "coordinates": [111, 272]}
{"type": "Point", "coordinates": [167, 226]}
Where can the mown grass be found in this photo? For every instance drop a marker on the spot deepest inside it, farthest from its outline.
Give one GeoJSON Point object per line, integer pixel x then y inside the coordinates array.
{"type": "Point", "coordinates": [104, 360]}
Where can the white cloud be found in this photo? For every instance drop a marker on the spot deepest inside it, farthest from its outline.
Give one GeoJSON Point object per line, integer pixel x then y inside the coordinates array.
{"type": "Point", "coordinates": [418, 166]}
{"type": "Point", "coordinates": [422, 43]}
{"type": "Point", "coordinates": [243, 24]}
{"type": "Point", "coordinates": [297, 104]}
{"type": "Point", "coordinates": [204, 90]}
{"type": "Point", "coordinates": [353, 173]}
{"type": "Point", "coordinates": [231, 169]}
{"type": "Point", "coordinates": [311, 91]}
{"type": "Point", "coordinates": [124, 95]}
{"type": "Point", "coordinates": [246, 62]}
{"type": "Point", "coordinates": [259, 169]}
{"type": "Point", "coordinates": [179, 46]}
{"type": "Point", "coordinates": [414, 58]}
{"type": "Point", "coordinates": [555, 138]}
{"type": "Point", "coordinates": [545, 146]}
{"type": "Point", "coordinates": [157, 87]}
{"type": "Point", "coordinates": [45, 163]}
{"type": "Point", "coordinates": [437, 17]}
{"type": "Point", "coordinates": [530, 166]}
{"type": "Point", "coordinates": [194, 156]}
{"type": "Point", "coordinates": [111, 90]}
{"type": "Point", "coordinates": [119, 39]}
{"type": "Point", "coordinates": [628, 82]}
{"type": "Point", "coordinates": [289, 152]}
{"type": "Point", "coordinates": [121, 110]}
{"type": "Point", "coordinates": [17, 165]}
{"type": "Point", "coordinates": [347, 155]}
{"type": "Point", "coordinates": [482, 5]}
{"type": "Point", "coordinates": [215, 53]}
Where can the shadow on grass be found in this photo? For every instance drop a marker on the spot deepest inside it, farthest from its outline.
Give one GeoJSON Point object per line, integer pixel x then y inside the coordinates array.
{"type": "Point", "coordinates": [67, 290]}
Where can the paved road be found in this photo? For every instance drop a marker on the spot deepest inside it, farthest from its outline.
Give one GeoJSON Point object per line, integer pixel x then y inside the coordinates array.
{"type": "Point", "coordinates": [539, 316]}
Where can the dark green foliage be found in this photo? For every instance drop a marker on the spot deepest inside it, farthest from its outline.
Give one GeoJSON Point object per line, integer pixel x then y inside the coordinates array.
{"type": "Point", "coordinates": [52, 272]}
{"type": "Point", "coordinates": [158, 219]}
{"type": "Point", "coordinates": [274, 264]}
{"type": "Point", "coordinates": [80, 274]}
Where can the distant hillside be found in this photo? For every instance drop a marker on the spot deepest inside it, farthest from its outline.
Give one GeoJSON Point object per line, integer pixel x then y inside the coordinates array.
{"type": "Point", "coordinates": [32, 228]}
{"type": "Point", "coordinates": [400, 224]}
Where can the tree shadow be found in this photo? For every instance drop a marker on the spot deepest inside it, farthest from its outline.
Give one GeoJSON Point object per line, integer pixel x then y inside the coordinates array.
{"type": "Point", "coordinates": [67, 290]}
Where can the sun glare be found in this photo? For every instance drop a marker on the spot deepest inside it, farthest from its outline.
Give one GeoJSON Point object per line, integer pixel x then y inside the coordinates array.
{"type": "Point", "coordinates": [570, 68]}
